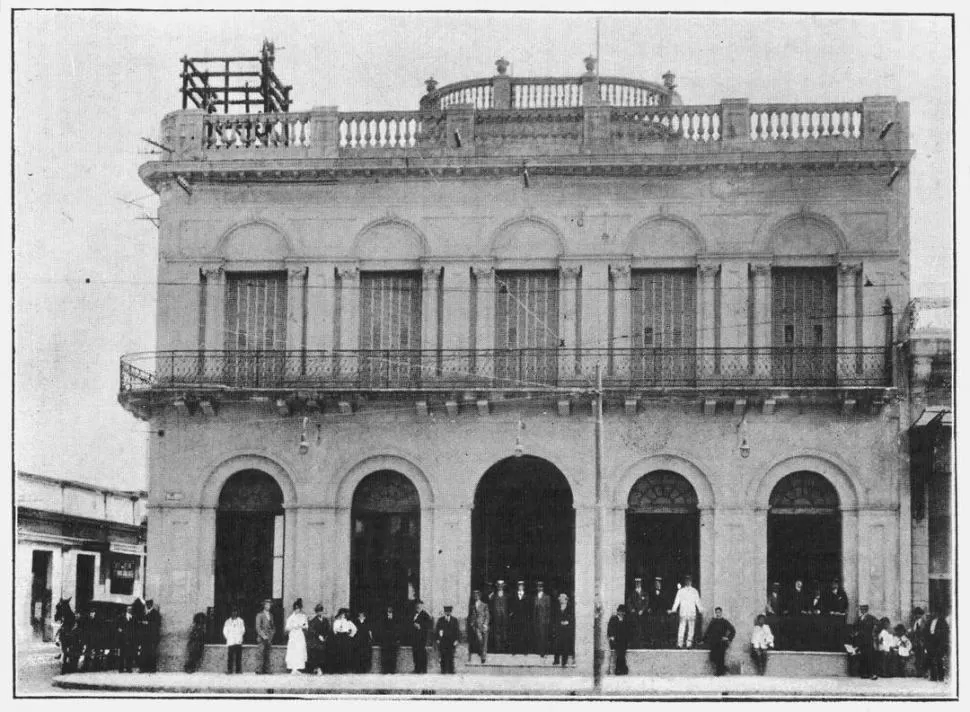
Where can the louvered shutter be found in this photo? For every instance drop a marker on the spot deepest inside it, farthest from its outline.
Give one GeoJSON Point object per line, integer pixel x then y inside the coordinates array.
{"type": "Point", "coordinates": [390, 327]}
{"type": "Point", "coordinates": [526, 326]}
{"type": "Point", "coordinates": [804, 323]}
{"type": "Point", "coordinates": [664, 324]}
{"type": "Point", "coordinates": [255, 323]}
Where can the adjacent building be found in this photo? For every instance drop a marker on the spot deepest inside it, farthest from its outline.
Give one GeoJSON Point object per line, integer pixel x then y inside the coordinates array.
{"type": "Point", "coordinates": [381, 335]}
{"type": "Point", "coordinates": [74, 541]}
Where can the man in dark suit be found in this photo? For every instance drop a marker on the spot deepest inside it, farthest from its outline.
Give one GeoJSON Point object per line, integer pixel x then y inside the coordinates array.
{"type": "Point", "coordinates": [638, 604]}
{"type": "Point", "coordinates": [127, 641]}
{"type": "Point", "coordinates": [864, 639]}
{"type": "Point", "coordinates": [500, 618]}
{"type": "Point", "coordinates": [719, 635]}
{"type": "Point", "coordinates": [152, 637]}
{"type": "Point", "coordinates": [657, 623]}
{"type": "Point", "coordinates": [418, 637]}
{"type": "Point", "coordinates": [618, 633]}
{"type": "Point", "coordinates": [937, 647]}
{"type": "Point", "coordinates": [265, 631]}
{"type": "Point", "coordinates": [520, 615]}
{"type": "Point", "coordinates": [446, 635]}
{"type": "Point", "coordinates": [541, 619]}
{"type": "Point", "coordinates": [389, 638]}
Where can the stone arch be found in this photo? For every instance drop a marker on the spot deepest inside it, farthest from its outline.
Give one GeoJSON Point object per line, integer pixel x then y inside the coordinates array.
{"type": "Point", "coordinates": [804, 233]}
{"type": "Point", "coordinates": [527, 238]}
{"type": "Point", "coordinates": [254, 239]}
{"type": "Point", "coordinates": [389, 238]}
{"type": "Point", "coordinates": [678, 464]}
{"type": "Point", "coordinates": [665, 236]}
{"type": "Point", "coordinates": [582, 496]}
{"type": "Point", "coordinates": [344, 495]}
{"type": "Point", "coordinates": [218, 475]}
{"type": "Point", "coordinates": [759, 492]}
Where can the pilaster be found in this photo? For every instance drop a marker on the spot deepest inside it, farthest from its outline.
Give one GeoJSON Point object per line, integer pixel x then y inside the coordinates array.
{"type": "Point", "coordinates": [622, 307]}
{"type": "Point", "coordinates": [484, 319]}
{"type": "Point", "coordinates": [761, 293]}
{"type": "Point", "coordinates": [847, 288]}
{"type": "Point", "coordinates": [430, 281]}
{"type": "Point", "coordinates": [296, 308]}
{"type": "Point", "coordinates": [568, 301]}
{"type": "Point", "coordinates": [321, 287]}
{"type": "Point", "coordinates": [215, 308]}
{"type": "Point", "coordinates": [349, 307]}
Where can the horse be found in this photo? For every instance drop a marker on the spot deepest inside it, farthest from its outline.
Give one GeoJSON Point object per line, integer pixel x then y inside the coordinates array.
{"type": "Point", "coordinates": [67, 636]}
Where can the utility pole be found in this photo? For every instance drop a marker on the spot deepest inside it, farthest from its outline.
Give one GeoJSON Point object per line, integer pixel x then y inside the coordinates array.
{"type": "Point", "coordinates": [598, 599]}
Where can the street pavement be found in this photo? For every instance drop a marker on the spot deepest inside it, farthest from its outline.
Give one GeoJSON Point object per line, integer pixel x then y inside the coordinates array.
{"type": "Point", "coordinates": [471, 685]}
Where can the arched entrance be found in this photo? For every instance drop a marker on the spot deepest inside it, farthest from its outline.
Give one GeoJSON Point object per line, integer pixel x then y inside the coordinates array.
{"type": "Point", "coordinates": [249, 546]}
{"type": "Point", "coordinates": [662, 539]}
{"type": "Point", "coordinates": [385, 556]}
{"type": "Point", "coordinates": [805, 543]}
{"type": "Point", "coordinates": [523, 527]}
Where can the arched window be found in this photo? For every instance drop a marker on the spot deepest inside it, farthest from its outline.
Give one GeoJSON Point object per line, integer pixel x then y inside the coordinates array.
{"type": "Point", "coordinates": [662, 540]}
{"type": "Point", "coordinates": [249, 545]}
{"type": "Point", "coordinates": [385, 544]}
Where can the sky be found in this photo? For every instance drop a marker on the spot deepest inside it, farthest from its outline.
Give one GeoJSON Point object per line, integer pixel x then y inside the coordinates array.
{"type": "Point", "coordinates": [89, 85]}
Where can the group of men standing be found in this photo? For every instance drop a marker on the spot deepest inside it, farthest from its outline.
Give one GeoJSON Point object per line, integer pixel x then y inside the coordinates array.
{"type": "Point", "coordinates": [521, 623]}
{"type": "Point", "coordinates": [650, 613]}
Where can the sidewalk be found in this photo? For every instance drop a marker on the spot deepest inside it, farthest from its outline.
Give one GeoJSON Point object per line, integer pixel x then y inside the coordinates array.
{"type": "Point", "coordinates": [469, 685]}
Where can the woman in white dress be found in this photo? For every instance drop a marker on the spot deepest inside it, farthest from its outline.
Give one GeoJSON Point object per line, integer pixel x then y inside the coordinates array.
{"type": "Point", "coordinates": [296, 643]}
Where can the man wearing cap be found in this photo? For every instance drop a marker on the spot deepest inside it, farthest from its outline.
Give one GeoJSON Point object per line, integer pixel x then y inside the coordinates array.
{"type": "Point", "coordinates": [446, 636]}
{"type": "Point", "coordinates": [618, 633]}
{"type": "Point", "coordinates": [658, 602]}
{"type": "Point", "coordinates": [520, 614]}
{"type": "Point", "coordinates": [637, 605]}
{"type": "Point", "coordinates": [687, 603]}
{"type": "Point", "coordinates": [864, 637]}
{"type": "Point", "coordinates": [541, 619]}
{"type": "Point", "coordinates": [265, 630]}
{"type": "Point", "coordinates": [500, 618]}
{"type": "Point", "coordinates": [478, 621]}
{"type": "Point", "coordinates": [418, 637]}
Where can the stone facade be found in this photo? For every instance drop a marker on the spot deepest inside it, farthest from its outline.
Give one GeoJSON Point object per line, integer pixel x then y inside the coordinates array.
{"type": "Point", "coordinates": [594, 194]}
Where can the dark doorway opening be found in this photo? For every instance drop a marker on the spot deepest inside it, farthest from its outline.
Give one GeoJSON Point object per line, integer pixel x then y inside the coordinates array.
{"type": "Point", "coordinates": [40, 595]}
{"type": "Point", "coordinates": [662, 539]}
{"type": "Point", "coordinates": [249, 550]}
{"type": "Point", "coordinates": [385, 557]}
{"type": "Point", "coordinates": [523, 527]}
{"type": "Point", "coordinates": [84, 581]}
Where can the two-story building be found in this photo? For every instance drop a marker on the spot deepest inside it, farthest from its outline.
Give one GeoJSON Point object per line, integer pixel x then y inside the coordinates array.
{"type": "Point", "coordinates": [380, 335]}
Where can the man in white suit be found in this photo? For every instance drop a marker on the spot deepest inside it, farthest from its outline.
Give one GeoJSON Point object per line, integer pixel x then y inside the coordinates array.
{"type": "Point", "coordinates": [687, 604]}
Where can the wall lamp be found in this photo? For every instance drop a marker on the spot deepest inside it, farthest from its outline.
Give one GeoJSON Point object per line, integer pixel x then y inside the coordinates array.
{"type": "Point", "coordinates": [304, 443]}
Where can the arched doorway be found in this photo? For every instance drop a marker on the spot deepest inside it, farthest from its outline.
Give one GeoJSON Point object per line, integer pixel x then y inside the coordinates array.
{"type": "Point", "coordinates": [523, 526]}
{"type": "Point", "coordinates": [662, 539]}
{"type": "Point", "coordinates": [249, 546]}
{"type": "Point", "coordinates": [805, 543]}
{"type": "Point", "coordinates": [385, 555]}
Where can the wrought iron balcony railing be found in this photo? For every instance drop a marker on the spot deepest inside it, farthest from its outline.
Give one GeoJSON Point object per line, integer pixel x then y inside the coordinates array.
{"type": "Point", "coordinates": [505, 370]}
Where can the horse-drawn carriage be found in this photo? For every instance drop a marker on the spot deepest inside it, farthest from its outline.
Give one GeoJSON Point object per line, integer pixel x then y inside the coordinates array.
{"type": "Point", "coordinates": [91, 634]}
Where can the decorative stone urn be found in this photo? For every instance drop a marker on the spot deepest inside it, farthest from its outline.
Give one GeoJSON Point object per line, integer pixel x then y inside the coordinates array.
{"type": "Point", "coordinates": [502, 65]}
{"type": "Point", "coordinates": [430, 84]}
{"type": "Point", "coordinates": [590, 63]}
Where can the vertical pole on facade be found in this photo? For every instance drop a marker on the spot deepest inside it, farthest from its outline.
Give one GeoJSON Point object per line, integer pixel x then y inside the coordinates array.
{"type": "Point", "coordinates": [598, 535]}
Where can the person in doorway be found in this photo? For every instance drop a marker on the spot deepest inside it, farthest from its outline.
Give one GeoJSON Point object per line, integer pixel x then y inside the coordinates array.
{"type": "Point", "coordinates": [937, 647]}
{"type": "Point", "coordinates": [446, 637]}
{"type": "Point", "coordinates": [658, 632]}
{"type": "Point", "coordinates": [762, 640]}
{"type": "Point", "coordinates": [564, 632]}
{"type": "Point", "coordinates": [418, 637]}
{"type": "Point", "coordinates": [618, 632]}
{"type": "Point", "coordinates": [196, 644]}
{"type": "Point", "coordinates": [478, 624]}
{"type": "Point", "coordinates": [638, 604]}
{"type": "Point", "coordinates": [317, 632]}
{"type": "Point", "coordinates": [773, 606]}
{"type": "Point", "coordinates": [152, 624]}
{"type": "Point", "coordinates": [718, 637]}
{"type": "Point", "coordinates": [344, 631]}
{"type": "Point", "coordinates": [687, 604]}
{"type": "Point", "coordinates": [500, 618]}
{"type": "Point", "coordinates": [233, 631]}
{"type": "Point", "coordinates": [364, 643]}
{"type": "Point", "coordinates": [296, 627]}
{"type": "Point", "coordinates": [127, 640]}
{"type": "Point", "coordinates": [520, 616]}
{"type": "Point", "coordinates": [265, 632]}
{"type": "Point", "coordinates": [834, 601]}
{"type": "Point", "coordinates": [541, 619]}
{"type": "Point", "coordinates": [389, 638]}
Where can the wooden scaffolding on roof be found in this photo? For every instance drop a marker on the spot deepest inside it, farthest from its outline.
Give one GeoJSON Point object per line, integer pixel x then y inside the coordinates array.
{"type": "Point", "coordinates": [208, 83]}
